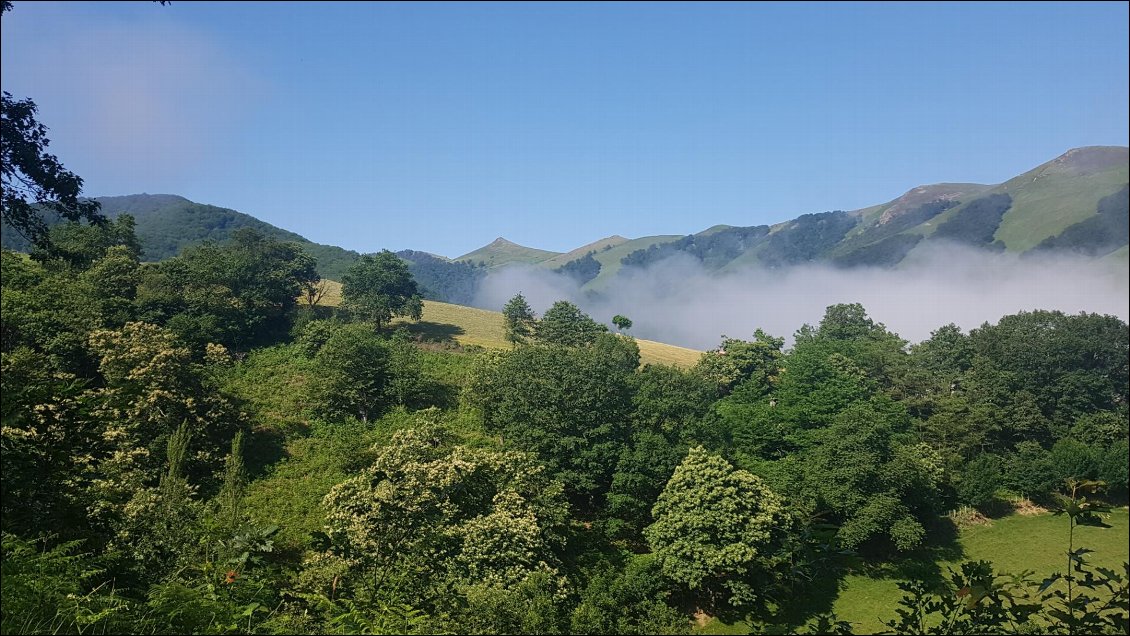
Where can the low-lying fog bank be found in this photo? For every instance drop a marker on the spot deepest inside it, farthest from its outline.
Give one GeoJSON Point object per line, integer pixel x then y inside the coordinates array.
{"type": "Point", "coordinates": [678, 302]}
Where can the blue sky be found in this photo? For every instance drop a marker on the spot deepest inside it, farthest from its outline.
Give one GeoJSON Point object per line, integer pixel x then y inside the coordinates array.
{"type": "Point", "coordinates": [439, 127]}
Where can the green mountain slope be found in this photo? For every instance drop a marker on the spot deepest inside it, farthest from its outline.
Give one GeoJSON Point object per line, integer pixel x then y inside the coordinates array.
{"type": "Point", "coordinates": [1049, 199]}
{"type": "Point", "coordinates": [167, 223]}
{"type": "Point", "coordinates": [601, 245]}
{"type": "Point", "coordinates": [1059, 193]}
{"type": "Point", "coordinates": [500, 252]}
{"type": "Point", "coordinates": [610, 260]}
{"type": "Point", "coordinates": [1069, 204]}
{"type": "Point", "coordinates": [886, 233]}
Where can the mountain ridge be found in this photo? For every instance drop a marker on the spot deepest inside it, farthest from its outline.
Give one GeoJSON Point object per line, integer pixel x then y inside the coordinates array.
{"type": "Point", "coordinates": [1055, 204]}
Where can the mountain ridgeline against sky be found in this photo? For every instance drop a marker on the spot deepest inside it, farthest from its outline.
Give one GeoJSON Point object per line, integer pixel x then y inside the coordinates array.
{"type": "Point", "coordinates": [1074, 204]}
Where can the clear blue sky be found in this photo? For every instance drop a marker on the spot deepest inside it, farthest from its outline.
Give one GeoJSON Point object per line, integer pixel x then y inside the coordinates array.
{"type": "Point", "coordinates": [440, 127]}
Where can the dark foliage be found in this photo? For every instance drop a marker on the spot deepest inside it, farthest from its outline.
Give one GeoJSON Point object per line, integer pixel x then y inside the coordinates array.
{"type": "Point", "coordinates": [883, 244]}
{"type": "Point", "coordinates": [977, 222]}
{"type": "Point", "coordinates": [713, 250]}
{"type": "Point", "coordinates": [581, 270]}
{"type": "Point", "coordinates": [34, 181]}
{"type": "Point", "coordinates": [886, 252]}
{"type": "Point", "coordinates": [805, 239]}
{"type": "Point", "coordinates": [444, 280]}
{"type": "Point", "coordinates": [1096, 235]}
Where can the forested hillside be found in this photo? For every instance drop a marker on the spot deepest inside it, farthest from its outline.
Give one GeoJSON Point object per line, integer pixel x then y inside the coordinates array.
{"type": "Point", "coordinates": [166, 224]}
{"type": "Point", "coordinates": [200, 445]}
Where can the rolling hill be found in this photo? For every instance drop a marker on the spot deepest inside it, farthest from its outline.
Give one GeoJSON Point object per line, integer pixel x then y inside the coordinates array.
{"type": "Point", "coordinates": [167, 223]}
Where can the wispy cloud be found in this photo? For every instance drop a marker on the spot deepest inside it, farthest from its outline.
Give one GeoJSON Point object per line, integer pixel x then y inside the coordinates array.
{"type": "Point", "coordinates": [128, 101]}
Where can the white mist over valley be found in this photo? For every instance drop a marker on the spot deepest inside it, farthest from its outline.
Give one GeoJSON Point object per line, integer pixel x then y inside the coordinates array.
{"type": "Point", "coordinates": [678, 301]}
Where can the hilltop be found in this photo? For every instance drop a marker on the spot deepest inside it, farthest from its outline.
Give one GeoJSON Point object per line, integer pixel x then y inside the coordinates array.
{"type": "Point", "coordinates": [501, 252]}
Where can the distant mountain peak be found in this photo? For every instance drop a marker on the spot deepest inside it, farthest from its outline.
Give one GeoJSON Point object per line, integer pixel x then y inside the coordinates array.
{"type": "Point", "coordinates": [501, 251]}
{"type": "Point", "coordinates": [1085, 160]}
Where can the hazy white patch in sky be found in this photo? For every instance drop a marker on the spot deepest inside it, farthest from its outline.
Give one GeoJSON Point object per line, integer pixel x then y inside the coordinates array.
{"type": "Point", "coordinates": [678, 302]}
{"type": "Point", "coordinates": [128, 104]}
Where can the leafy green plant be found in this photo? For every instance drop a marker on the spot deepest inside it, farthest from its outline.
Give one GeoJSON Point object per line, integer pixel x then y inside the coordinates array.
{"type": "Point", "coordinates": [1093, 600]}
{"type": "Point", "coordinates": [51, 590]}
{"type": "Point", "coordinates": [973, 600]}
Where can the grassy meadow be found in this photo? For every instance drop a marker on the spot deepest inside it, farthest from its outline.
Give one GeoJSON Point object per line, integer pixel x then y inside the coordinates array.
{"type": "Point", "coordinates": [1014, 544]}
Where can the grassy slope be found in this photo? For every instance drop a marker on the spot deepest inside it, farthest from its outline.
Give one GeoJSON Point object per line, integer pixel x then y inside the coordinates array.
{"type": "Point", "coordinates": [1050, 197]}
{"type": "Point", "coordinates": [610, 259]}
{"type": "Point", "coordinates": [1046, 206]}
{"type": "Point", "coordinates": [572, 255]}
{"type": "Point", "coordinates": [501, 252]}
{"type": "Point", "coordinates": [471, 326]}
{"type": "Point", "coordinates": [1014, 544]}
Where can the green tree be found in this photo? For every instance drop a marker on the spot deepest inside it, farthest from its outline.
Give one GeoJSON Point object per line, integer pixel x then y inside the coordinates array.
{"type": "Point", "coordinates": [240, 295]}
{"type": "Point", "coordinates": [34, 181]}
{"type": "Point", "coordinates": [534, 605]}
{"type": "Point", "coordinates": [716, 529]}
{"type": "Point", "coordinates": [629, 601]}
{"type": "Point", "coordinates": [873, 486]}
{"type": "Point", "coordinates": [405, 381]}
{"type": "Point", "coordinates": [622, 322]}
{"type": "Point", "coordinates": [735, 361]}
{"type": "Point", "coordinates": [428, 513]}
{"type": "Point", "coordinates": [1070, 365]}
{"type": "Point", "coordinates": [378, 287]}
{"type": "Point", "coordinates": [353, 374]}
{"type": "Point", "coordinates": [79, 245]}
{"type": "Point", "coordinates": [980, 480]}
{"type": "Point", "coordinates": [673, 401]}
{"type": "Point", "coordinates": [565, 324]}
{"type": "Point", "coordinates": [520, 319]}
{"type": "Point", "coordinates": [642, 471]}
{"type": "Point", "coordinates": [151, 385]}
{"type": "Point", "coordinates": [567, 405]}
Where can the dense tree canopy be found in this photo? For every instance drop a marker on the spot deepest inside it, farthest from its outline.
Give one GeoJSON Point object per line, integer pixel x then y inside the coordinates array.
{"type": "Point", "coordinates": [568, 406]}
{"type": "Point", "coordinates": [240, 294]}
{"type": "Point", "coordinates": [715, 528]}
{"type": "Point", "coordinates": [378, 287]}
{"type": "Point", "coordinates": [565, 324]}
{"type": "Point", "coordinates": [187, 450]}
{"type": "Point", "coordinates": [425, 513]}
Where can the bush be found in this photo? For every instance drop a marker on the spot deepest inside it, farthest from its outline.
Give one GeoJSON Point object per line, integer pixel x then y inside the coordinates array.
{"type": "Point", "coordinates": [980, 479]}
